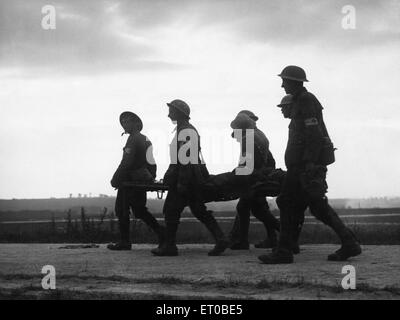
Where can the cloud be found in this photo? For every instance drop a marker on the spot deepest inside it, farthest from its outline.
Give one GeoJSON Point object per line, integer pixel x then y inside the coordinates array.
{"type": "Point", "coordinates": [95, 37]}
{"type": "Point", "coordinates": [90, 37]}
{"type": "Point", "coordinates": [300, 22]}
{"type": "Point", "coordinates": [285, 22]}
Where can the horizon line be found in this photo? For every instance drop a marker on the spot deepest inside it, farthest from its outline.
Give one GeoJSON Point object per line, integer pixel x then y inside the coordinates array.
{"type": "Point", "coordinates": [105, 196]}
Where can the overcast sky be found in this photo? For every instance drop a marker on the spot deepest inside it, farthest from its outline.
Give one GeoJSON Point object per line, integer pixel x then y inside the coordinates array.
{"type": "Point", "coordinates": [62, 90]}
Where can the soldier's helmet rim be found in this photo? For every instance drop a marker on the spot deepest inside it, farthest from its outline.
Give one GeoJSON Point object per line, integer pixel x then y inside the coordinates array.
{"type": "Point", "coordinates": [294, 73]}
{"type": "Point", "coordinates": [134, 116]}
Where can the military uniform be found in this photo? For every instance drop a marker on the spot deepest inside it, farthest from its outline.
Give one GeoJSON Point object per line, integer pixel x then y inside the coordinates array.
{"type": "Point", "coordinates": [263, 160]}
{"type": "Point", "coordinates": [184, 181]}
{"type": "Point", "coordinates": [134, 166]}
{"type": "Point", "coordinates": [306, 187]}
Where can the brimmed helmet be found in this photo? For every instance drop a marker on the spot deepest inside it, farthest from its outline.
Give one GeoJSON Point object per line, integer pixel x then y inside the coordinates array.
{"type": "Point", "coordinates": [134, 116]}
{"type": "Point", "coordinates": [180, 105]}
{"type": "Point", "coordinates": [293, 73]}
{"type": "Point", "coordinates": [288, 99]}
{"type": "Point", "coordinates": [243, 121]}
{"type": "Point", "coordinates": [250, 114]}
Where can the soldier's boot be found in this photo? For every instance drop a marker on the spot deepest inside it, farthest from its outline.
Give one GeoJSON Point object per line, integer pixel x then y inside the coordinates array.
{"type": "Point", "coordinates": [124, 243]}
{"type": "Point", "coordinates": [221, 242]}
{"type": "Point", "coordinates": [168, 248]}
{"type": "Point", "coordinates": [350, 245]}
{"type": "Point", "coordinates": [158, 229]}
{"type": "Point", "coordinates": [346, 251]}
{"type": "Point", "coordinates": [242, 243]}
{"type": "Point", "coordinates": [282, 254]}
{"type": "Point", "coordinates": [277, 256]}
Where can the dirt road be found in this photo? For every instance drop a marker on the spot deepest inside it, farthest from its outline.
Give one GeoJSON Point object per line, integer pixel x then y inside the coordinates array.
{"type": "Point", "coordinates": [96, 273]}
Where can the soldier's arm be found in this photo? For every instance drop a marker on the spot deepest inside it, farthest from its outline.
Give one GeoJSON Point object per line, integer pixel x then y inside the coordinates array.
{"type": "Point", "coordinates": [313, 134]}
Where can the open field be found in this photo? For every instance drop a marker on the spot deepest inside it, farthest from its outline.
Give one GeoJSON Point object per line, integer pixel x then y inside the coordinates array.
{"type": "Point", "coordinates": [372, 226]}
{"type": "Point", "coordinates": [98, 273]}
{"type": "Point", "coordinates": [379, 214]}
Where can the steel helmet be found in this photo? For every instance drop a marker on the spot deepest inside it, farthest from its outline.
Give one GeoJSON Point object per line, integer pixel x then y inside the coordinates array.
{"type": "Point", "coordinates": [134, 116]}
{"type": "Point", "coordinates": [288, 99]}
{"type": "Point", "coordinates": [180, 105]}
{"type": "Point", "coordinates": [293, 73]}
{"type": "Point", "coordinates": [243, 121]}
{"type": "Point", "coordinates": [250, 114]}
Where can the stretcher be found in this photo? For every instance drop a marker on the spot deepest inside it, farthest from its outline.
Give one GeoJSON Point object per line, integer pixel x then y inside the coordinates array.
{"type": "Point", "coordinates": [223, 187]}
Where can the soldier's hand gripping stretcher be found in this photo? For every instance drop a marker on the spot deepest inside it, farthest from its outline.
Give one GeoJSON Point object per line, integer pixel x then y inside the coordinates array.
{"type": "Point", "coordinates": [155, 186]}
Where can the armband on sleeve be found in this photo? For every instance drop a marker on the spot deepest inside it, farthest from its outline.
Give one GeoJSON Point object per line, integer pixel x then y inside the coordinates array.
{"type": "Point", "coordinates": [311, 122]}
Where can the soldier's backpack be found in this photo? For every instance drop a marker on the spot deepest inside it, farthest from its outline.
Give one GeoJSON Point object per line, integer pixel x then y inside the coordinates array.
{"type": "Point", "coordinates": [327, 154]}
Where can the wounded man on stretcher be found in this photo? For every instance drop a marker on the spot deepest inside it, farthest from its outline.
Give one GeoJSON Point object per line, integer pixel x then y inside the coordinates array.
{"type": "Point", "coordinates": [227, 186]}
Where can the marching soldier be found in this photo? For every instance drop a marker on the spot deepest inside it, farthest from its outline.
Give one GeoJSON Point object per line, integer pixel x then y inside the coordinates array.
{"type": "Point", "coordinates": [298, 218]}
{"type": "Point", "coordinates": [137, 164]}
{"type": "Point", "coordinates": [184, 177]}
{"type": "Point", "coordinates": [257, 205]}
{"type": "Point", "coordinates": [308, 152]}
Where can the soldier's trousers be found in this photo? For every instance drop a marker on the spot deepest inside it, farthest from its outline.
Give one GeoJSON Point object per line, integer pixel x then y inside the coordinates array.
{"type": "Point", "coordinates": [259, 207]}
{"type": "Point", "coordinates": [294, 200]}
{"type": "Point", "coordinates": [131, 200]}
{"type": "Point", "coordinates": [176, 202]}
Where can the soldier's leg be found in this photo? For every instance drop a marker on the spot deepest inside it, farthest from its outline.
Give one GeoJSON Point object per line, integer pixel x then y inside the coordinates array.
{"type": "Point", "coordinates": [205, 216]}
{"type": "Point", "coordinates": [320, 208]}
{"type": "Point", "coordinates": [141, 212]}
{"type": "Point", "coordinates": [235, 231]}
{"type": "Point", "coordinates": [173, 207]}
{"type": "Point", "coordinates": [288, 207]}
{"type": "Point", "coordinates": [314, 184]}
{"type": "Point", "coordinates": [240, 230]}
{"type": "Point", "coordinates": [260, 209]}
{"type": "Point", "coordinates": [122, 212]}
{"type": "Point", "coordinates": [298, 221]}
